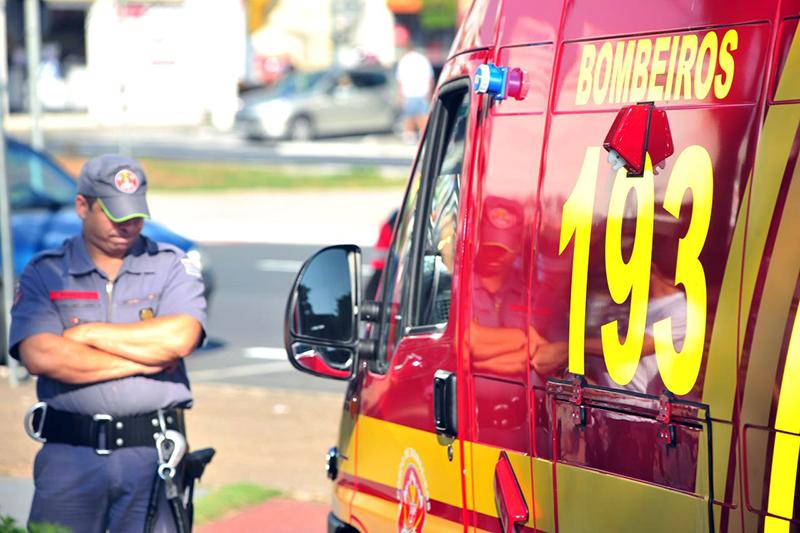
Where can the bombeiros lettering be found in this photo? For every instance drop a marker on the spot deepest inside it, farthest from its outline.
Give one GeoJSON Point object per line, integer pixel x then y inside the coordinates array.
{"type": "Point", "coordinates": [678, 67]}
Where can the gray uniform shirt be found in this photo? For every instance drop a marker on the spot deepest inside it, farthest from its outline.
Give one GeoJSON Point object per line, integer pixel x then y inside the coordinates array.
{"type": "Point", "coordinates": [62, 288]}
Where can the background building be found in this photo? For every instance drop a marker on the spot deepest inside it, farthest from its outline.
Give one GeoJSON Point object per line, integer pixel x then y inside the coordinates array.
{"type": "Point", "coordinates": [176, 62]}
{"type": "Point", "coordinates": [314, 34]}
{"type": "Point", "coordinates": [184, 61]}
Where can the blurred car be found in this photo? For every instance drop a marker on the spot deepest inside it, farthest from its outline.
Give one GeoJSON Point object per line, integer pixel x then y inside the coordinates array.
{"type": "Point", "coordinates": [380, 251]}
{"type": "Point", "coordinates": [42, 198]}
{"type": "Point", "coordinates": [305, 105]}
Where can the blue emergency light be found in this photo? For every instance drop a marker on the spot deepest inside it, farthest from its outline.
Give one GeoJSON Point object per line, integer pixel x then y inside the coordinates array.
{"type": "Point", "coordinates": [492, 80]}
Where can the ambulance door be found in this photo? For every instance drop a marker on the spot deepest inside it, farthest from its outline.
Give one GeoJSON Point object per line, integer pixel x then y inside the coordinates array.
{"type": "Point", "coordinates": [641, 341]}
{"type": "Point", "coordinates": [502, 383]}
{"type": "Point", "coordinates": [409, 477]}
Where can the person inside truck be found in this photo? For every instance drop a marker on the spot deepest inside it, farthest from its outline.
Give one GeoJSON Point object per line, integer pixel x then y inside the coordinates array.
{"type": "Point", "coordinates": [498, 338]}
{"type": "Point", "coordinates": [665, 301]}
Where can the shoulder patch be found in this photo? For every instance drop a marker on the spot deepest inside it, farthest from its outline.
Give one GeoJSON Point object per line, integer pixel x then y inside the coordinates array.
{"type": "Point", "coordinates": [192, 268]}
{"type": "Point", "coordinates": [17, 295]}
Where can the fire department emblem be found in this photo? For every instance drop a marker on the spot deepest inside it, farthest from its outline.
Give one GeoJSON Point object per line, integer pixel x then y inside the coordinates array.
{"type": "Point", "coordinates": [412, 494]}
{"type": "Point", "coordinates": [126, 181]}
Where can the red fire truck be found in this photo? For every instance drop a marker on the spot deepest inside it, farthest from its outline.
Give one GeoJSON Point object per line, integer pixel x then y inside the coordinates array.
{"type": "Point", "coordinates": [588, 316]}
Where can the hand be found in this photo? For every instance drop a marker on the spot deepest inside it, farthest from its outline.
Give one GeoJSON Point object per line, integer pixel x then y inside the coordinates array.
{"type": "Point", "coordinates": [534, 341]}
{"type": "Point", "coordinates": [148, 370]}
{"type": "Point", "coordinates": [487, 341]}
{"type": "Point", "coordinates": [507, 364]}
{"type": "Point", "coordinates": [549, 358]}
{"type": "Point", "coordinates": [76, 333]}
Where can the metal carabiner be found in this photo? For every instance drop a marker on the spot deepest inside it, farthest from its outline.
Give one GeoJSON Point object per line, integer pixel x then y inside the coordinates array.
{"type": "Point", "coordinates": [35, 434]}
{"type": "Point", "coordinates": [168, 464]}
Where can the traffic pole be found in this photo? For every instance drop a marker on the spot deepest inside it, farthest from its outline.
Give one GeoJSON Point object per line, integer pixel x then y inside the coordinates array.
{"type": "Point", "coordinates": [33, 45]}
{"type": "Point", "coordinates": [6, 248]}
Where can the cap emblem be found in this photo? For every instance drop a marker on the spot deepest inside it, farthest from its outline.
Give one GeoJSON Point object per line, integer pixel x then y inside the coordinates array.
{"type": "Point", "coordinates": [126, 181]}
{"type": "Point", "coordinates": [502, 218]}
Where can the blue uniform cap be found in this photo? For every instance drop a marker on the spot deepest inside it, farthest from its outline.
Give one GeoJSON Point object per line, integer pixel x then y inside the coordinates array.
{"type": "Point", "coordinates": [119, 183]}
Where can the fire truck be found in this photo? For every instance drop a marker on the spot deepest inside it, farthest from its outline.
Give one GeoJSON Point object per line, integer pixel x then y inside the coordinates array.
{"type": "Point", "coordinates": [588, 316]}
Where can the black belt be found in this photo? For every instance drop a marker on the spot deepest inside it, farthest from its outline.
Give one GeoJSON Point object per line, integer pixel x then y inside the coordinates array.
{"type": "Point", "coordinates": [104, 433]}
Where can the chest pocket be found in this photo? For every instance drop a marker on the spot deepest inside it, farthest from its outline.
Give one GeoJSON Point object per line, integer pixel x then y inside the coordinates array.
{"type": "Point", "coordinates": [135, 309]}
{"type": "Point", "coordinates": [74, 311]}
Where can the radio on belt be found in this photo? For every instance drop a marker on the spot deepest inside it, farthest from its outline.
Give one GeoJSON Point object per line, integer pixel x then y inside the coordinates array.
{"type": "Point", "coordinates": [501, 82]}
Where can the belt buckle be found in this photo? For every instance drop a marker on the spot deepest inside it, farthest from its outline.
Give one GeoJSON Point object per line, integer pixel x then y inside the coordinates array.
{"type": "Point", "coordinates": [99, 422]}
{"type": "Point", "coordinates": [35, 434]}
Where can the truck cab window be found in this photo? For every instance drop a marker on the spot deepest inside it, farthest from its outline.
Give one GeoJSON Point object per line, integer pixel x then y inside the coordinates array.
{"type": "Point", "coordinates": [419, 271]}
{"type": "Point", "coordinates": [439, 243]}
{"type": "Point", "coordinates": [397, 267]}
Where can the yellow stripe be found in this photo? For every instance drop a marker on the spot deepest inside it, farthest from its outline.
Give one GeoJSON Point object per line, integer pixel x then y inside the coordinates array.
{"type": "Point", "coordinates": [720, 379]}
{"type": "Point", "coordinates": [380, 454]}
{"type": "Point", "coordinates": [483, 467]}
{"type": "Point", "coordinates": [600, 503]}
{"type": "Point", "coordinates": [776, 302]}
{"type": "Point", "coordinates": [380, 451]}
{"type": "Point", "coordinates": [757, 210]}
{"type": "Point", "coordinates": [340, 504]}
{"type": "Point", "coordinates": [774, 147]}
{"type": "Point", "coordinates": [768, 335]}
{"type": "Point", "coordinates": [786, 448]}
{"type": "Point", "coordinates": [789, 84]}
{"type": "Point", "coordinates": [373, 513]}
{"type": "Point", "coordinates": [772, 156]}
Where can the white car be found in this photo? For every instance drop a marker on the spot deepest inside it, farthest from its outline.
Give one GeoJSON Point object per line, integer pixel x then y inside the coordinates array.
{"type": "Point", "coordinates": [305, 105]}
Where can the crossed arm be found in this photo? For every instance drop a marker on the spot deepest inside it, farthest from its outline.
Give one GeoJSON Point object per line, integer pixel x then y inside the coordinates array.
{"type": "Point", "coordinates": [99, 351]}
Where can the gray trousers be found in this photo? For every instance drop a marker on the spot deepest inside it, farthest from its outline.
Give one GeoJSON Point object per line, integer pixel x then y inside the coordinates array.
{"type": "Point", "coordinates": [90, 493]}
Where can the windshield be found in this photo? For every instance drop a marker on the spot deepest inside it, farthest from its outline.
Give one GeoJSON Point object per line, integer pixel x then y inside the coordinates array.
{"type": "Point", "coordinates": [297, 82]}
{"type": "Point", "coordinates": [34, 180]}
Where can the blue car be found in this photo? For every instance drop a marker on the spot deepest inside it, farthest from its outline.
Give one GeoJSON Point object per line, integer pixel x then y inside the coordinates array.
{"type": "Point", "coordinates": [42, 197]}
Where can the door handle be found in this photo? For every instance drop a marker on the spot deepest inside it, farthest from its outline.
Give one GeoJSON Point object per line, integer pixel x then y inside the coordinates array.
{"type": "Point", "coordinates": [445, 411]}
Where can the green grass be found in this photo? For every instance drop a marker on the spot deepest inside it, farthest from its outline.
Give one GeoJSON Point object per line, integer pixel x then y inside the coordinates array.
{"type": "Point", "coordinates": [166, 175]}
{"type": "Point", "coordinates": [229, 499]}
{"type": "Point", "coordinates": [9, 525]}
{"type": "Point", "coordinates": [171, 175]}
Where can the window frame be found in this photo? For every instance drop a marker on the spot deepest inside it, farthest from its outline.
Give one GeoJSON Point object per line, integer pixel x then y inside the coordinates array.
{"type": "Point", "coordinates": [439, 126]}
{"type": "Point", "coordinates": [450, 109]}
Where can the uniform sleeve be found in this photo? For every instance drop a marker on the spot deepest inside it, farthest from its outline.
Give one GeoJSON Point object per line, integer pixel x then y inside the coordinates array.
{"type": "Point", "coordinates": [33, 312]}
{"type": "Point", "coordinates": [183, 293]}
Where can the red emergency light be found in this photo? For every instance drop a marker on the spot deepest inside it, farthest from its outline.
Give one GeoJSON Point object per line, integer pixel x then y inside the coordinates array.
{"type": "Point", "coordinates": [637, 131]}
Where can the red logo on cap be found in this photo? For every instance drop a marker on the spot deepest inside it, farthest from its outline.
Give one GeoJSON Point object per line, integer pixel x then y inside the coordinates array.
{"type": "Point", "coordinates": [502, 218]}
{"type": "Point", "coordinates": [126, 181]}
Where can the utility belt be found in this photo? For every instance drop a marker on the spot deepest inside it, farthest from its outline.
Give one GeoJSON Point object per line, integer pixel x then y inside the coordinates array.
{"type": "Point", "coordinates": [104, 433]}
{"type": "Point", "coordinates": [163, 429]}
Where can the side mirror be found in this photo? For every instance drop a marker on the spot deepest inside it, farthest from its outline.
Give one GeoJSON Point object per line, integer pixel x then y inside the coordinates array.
{"type": "Point", "coordinates": [321, 325]}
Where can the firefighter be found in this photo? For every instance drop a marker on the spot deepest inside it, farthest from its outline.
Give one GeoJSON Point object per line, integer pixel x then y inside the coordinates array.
{"type": "Point", "coordinates": [105, 320]}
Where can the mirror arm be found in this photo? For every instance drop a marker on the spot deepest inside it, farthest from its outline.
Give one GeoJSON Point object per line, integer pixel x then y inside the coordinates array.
{"type": "Point", "coordinates": [367, 349]}
{"type": "Point", "coordinates": [370, 311]}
